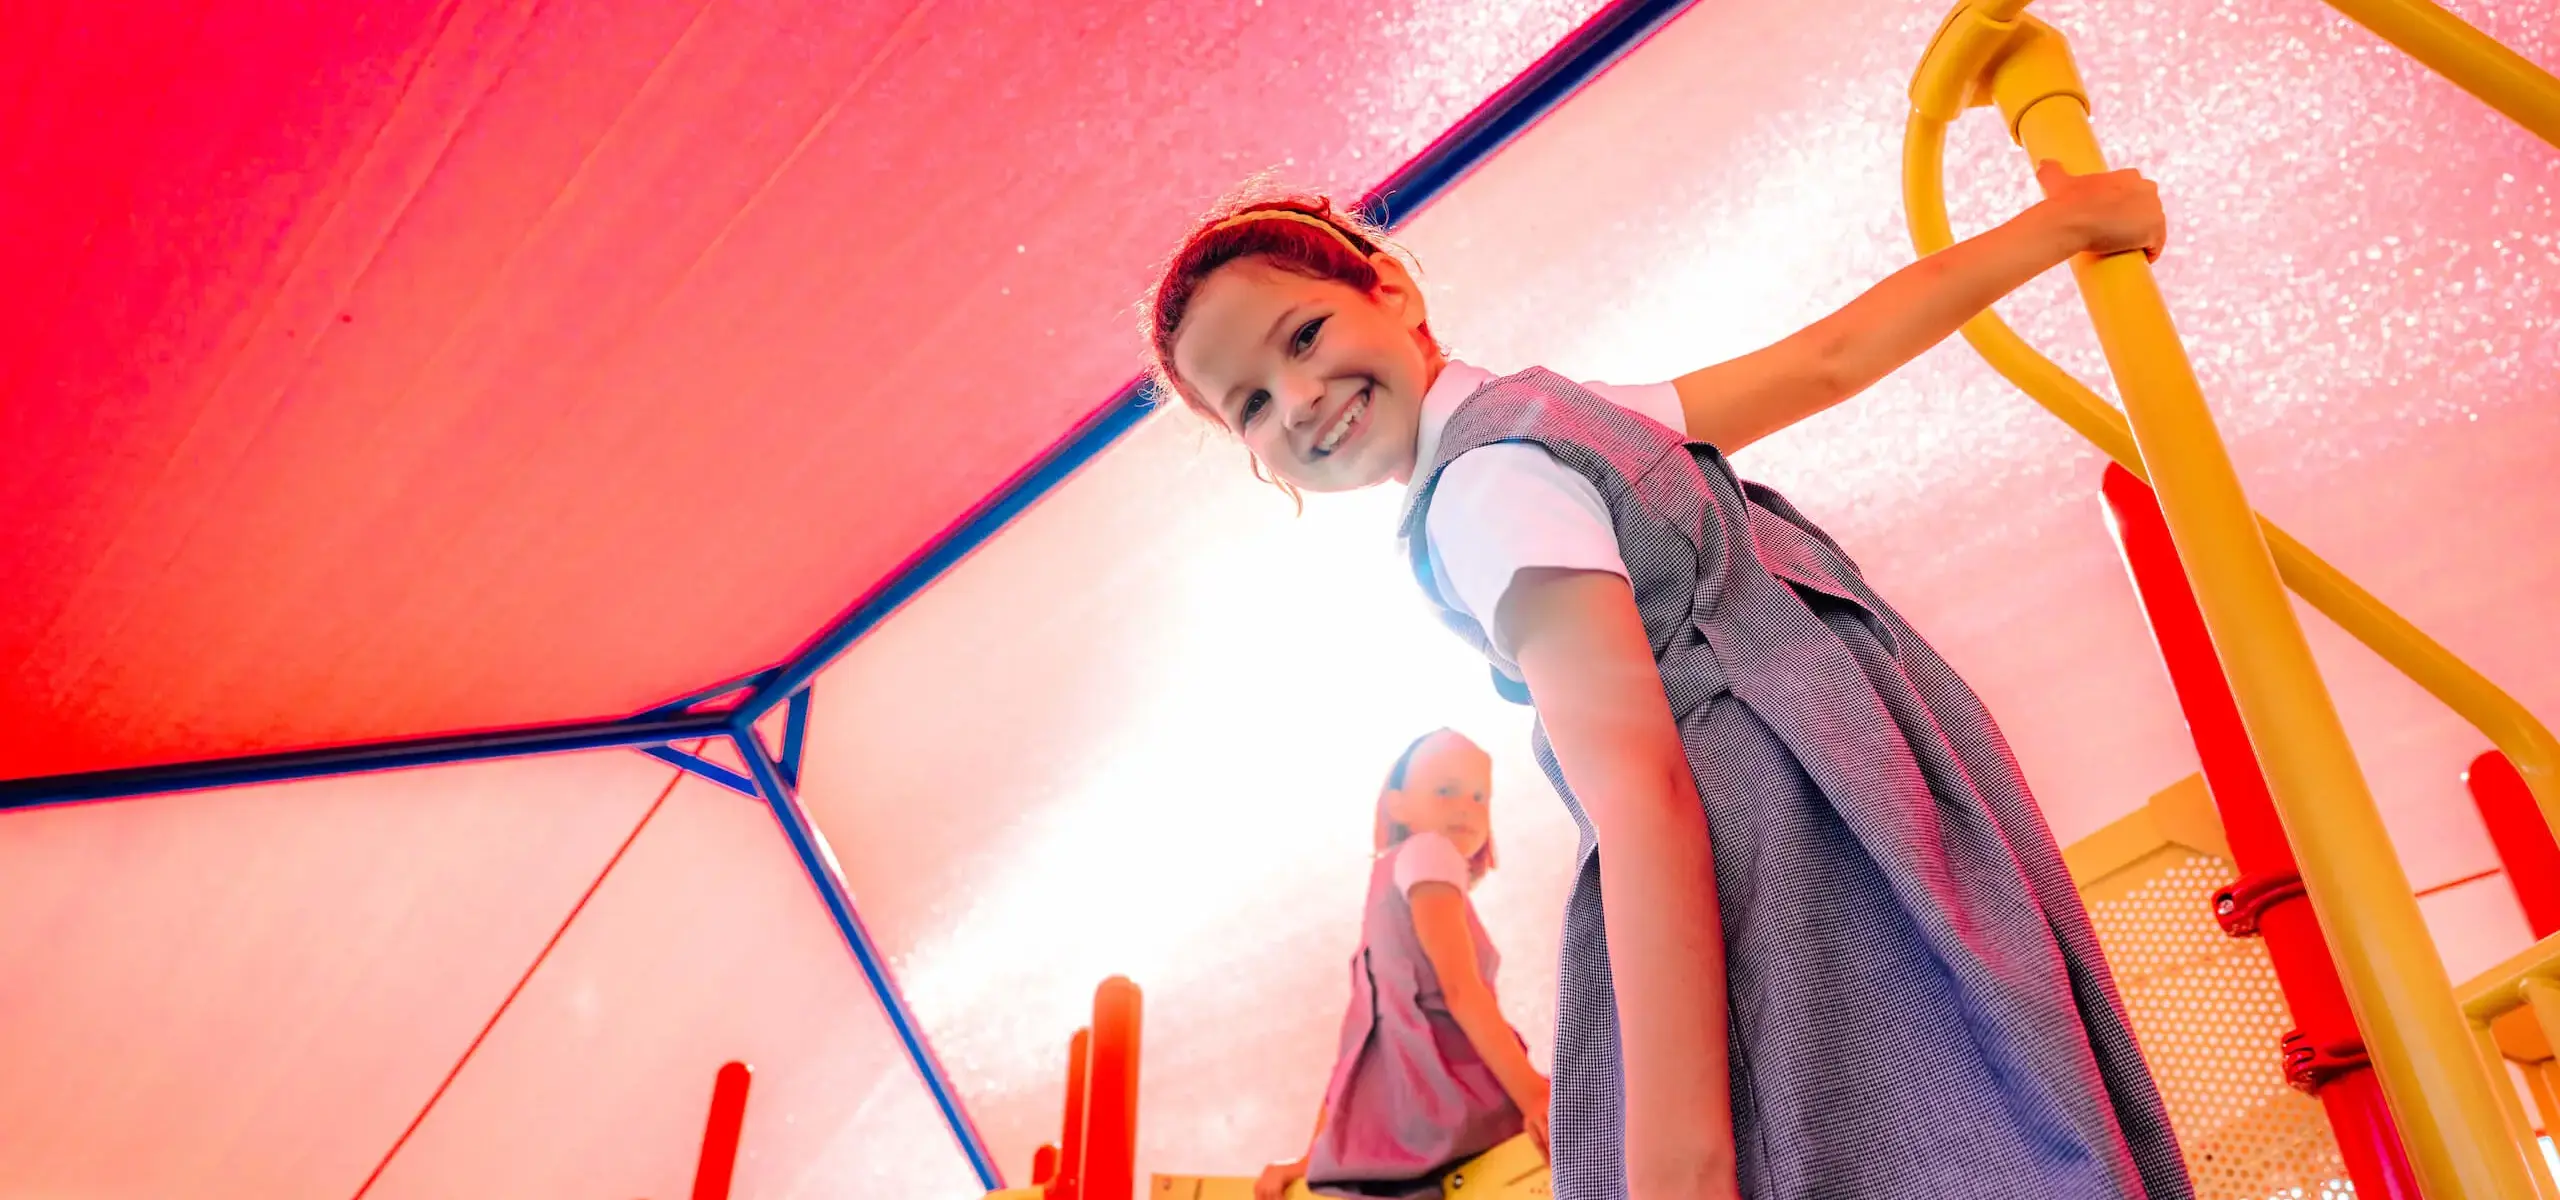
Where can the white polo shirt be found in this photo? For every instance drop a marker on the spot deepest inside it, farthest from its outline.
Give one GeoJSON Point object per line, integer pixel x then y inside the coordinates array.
{"type": "Point", "coordinates": [1509, 507]}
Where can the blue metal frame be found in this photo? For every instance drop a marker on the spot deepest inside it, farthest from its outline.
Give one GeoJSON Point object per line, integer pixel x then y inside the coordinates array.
{"type": "Point", "coordinates": [350, 760]}
{"type": "Point", "coordinates": [1610, 35]}
{"type": "Point", "coordinates": [1573, 63]}
{"type": "Point", "coordinates": [748, 682]}
{"type": "Point", "coordinates": [820, 864]}
{"type": "Point", "coordinates": [795, 736]}
{"type": "Point", "coordinates": [695, 764]}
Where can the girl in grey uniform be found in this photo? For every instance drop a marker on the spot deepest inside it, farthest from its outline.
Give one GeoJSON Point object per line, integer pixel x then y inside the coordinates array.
{"type": "Point", "coordinates": [1820, 943]}
{"type": "Point", "coordinates": [1430, 1075]}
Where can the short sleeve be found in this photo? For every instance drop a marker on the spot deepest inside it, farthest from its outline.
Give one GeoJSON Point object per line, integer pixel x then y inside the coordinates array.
{"type": "Point", "coordinates": [1429, 858]}
{"type": "Point", "coordinates": [1510, 507]}
{"type": "Point", "coordinates": [1507, 508]}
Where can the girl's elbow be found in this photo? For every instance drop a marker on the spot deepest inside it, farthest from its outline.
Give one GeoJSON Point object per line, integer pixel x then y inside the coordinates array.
{"type": "Point", "coordinates": [1836, 367]}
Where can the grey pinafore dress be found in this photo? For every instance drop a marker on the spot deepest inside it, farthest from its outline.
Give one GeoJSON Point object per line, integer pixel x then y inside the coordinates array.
{"type": "Point", "coordinates": [1410, 1097]}
{"type": "Point", "coordinates": [1918, 1006]}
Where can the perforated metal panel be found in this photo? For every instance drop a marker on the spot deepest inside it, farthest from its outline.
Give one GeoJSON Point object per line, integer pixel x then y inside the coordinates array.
{"type": "Point", "coordinates": [2209, 1015]}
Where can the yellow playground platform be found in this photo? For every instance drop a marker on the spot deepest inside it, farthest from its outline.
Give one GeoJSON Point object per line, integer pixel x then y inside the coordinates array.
{"type": "Point", "coordinates": [1513, 1170]}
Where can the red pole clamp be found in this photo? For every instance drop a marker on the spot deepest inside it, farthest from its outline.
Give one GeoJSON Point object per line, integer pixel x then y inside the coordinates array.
{"type": "Point", "coordinates": [2309, 1068]}
{"type": "Point", "coordinates": [2238, 907]}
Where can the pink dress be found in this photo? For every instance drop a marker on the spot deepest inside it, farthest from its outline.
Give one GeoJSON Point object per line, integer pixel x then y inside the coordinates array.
{"type": "Point", "coordinates": [1410, 1096]}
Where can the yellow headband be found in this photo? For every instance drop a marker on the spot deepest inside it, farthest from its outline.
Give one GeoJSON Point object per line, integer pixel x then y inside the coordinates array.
{"type": "Point", "coordinates": [1289, 214]}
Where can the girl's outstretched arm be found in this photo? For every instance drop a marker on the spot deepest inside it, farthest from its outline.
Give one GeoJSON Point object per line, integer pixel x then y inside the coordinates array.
{"type": "Point", "coordinates": [1440, 924]}
{"type": "Point", "coordinates": [1733, 404]}
{"type": "Point", "coordinates": [1579, 641]}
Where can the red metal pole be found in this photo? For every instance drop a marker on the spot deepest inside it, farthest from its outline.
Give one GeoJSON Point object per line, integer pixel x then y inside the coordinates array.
{"type": "Point", "coordinates": [1069, 1181]}
{"type": "Point", "coordinates": [2525, 845]}
{"type": "Point", "coordinates": [719, 1162]}
{"type": "Point", "coordinates": [1111, 1094]}
{"type": "Point", "coordinates": [2324, 1055]}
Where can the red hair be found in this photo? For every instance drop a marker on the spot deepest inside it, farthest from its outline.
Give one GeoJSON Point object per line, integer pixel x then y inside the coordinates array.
{"type": "Point", "coordinates": [1304, 235]}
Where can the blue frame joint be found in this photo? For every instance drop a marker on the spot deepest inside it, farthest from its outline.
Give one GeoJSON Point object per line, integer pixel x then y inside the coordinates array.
{"type": "Point", "coordinates": [746, 683]}
{"type": "Point", "coordinates": [695, 764]}
{"type": "Point", "coordinates": [795, 737]}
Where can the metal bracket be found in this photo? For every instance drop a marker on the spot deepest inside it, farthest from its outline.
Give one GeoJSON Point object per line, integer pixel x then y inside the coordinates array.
{"type": "Point", "coordinates": [2238, 907]}
{"type": "Point", "coordinates": [695, 764]}
{"type": "Point", "coordinates": [2310, 1067]}
{"type": "Point", "coordinates": [795, 737]}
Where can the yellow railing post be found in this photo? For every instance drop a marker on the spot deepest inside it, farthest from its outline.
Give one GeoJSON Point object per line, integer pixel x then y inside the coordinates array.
{"type": "Point", "coordinates": [1954, 74]}
{"type": "Point", "coordinates": [2421, 1047]}
{"type": "Point", "coordinates": [2514, 1010]}
{"type": "Point", "coordinates": [2471, 60]}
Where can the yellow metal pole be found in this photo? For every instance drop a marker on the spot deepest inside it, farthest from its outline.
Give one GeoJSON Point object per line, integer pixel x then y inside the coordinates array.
{"type": "Point", "coordinates": [2421, 1047]}
{"type": "Point", "coordinates": [2472, 60]}
{"type": "Point", "coordinates": [1939, 94]}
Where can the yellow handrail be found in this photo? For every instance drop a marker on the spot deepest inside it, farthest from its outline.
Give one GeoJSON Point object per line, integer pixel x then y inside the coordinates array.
{"type": "Point", "coordinates": [2472, 60]}
{"type": "Point", "coordinates": [2514, 1010]}
{"type": "Point", "coordinates": [2446, 1103]}
{"type": "Point", "coordinates": [2500, 717]}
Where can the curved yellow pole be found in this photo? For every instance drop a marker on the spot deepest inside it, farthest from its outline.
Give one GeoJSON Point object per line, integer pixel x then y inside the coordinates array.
{"type": "Point", "coordinates": [2472, 60]}
{"type": "Point", "coordinates": [2498, 716]}
{"type": "Point", "coordinates": [2449, 1115]}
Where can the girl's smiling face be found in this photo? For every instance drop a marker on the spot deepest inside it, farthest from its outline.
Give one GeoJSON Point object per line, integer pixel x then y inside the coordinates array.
{"type": "Point", "coordinates": [1321, 381]}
